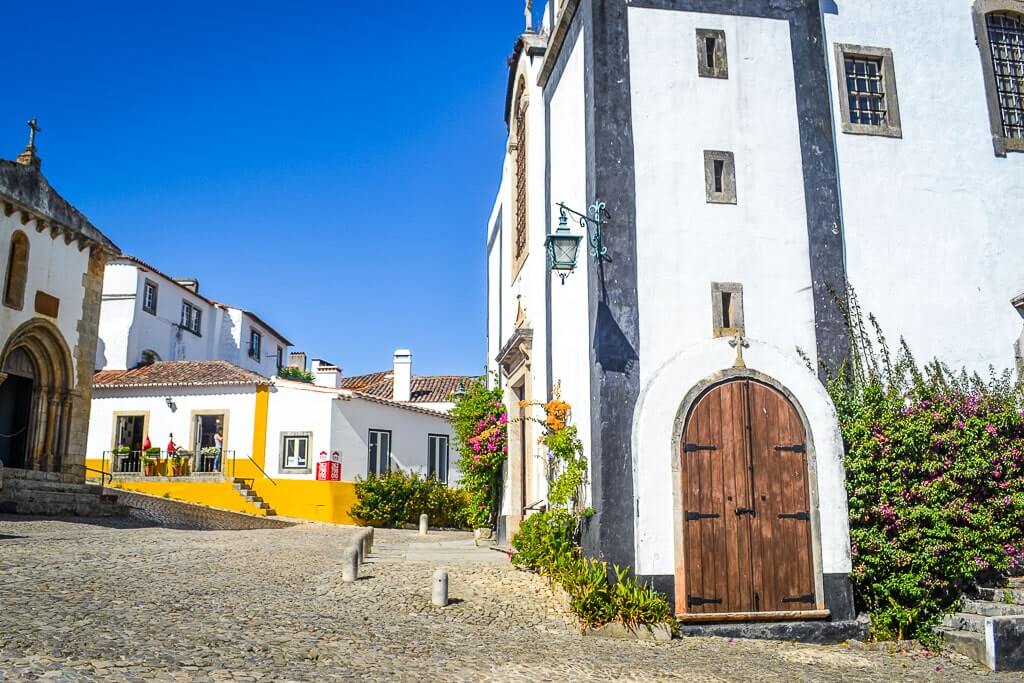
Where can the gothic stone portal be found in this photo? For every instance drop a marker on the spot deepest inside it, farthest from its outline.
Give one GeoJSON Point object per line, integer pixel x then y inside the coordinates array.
{"type": "Point", "coordinates": [36, 398]}
{"type": "Point", "coordinates": [747, 544]}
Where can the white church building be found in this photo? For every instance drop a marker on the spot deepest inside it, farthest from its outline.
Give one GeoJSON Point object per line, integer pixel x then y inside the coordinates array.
{"type": "Point", "coordinates": [728, 167]}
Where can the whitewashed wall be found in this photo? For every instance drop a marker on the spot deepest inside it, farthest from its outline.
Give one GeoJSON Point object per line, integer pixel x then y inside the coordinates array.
{"type": "Point", "coordinates": [570, 336]}
{"type": "Point", "coordinates": [55, 268]}
{"type": "Point", "coordinates": [238, 403]}
{"type": "Point", "coordinates": [684, 244]}
{"type": "Point", "coordinates": [932, 220]}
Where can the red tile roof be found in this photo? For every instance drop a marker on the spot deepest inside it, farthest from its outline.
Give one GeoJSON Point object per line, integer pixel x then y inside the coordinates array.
{"type": "Point", "coordinates": [178, 373]}
{"type": "Point", "coordinates": [425, 389]}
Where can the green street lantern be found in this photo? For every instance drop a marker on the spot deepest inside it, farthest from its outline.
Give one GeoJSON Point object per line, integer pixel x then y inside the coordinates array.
{"type": "Point", "coordinates": [562, 247]}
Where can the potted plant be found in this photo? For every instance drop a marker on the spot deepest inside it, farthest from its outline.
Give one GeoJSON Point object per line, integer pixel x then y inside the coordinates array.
{"type": "Point", "coordinates": [121, 456]}
{"type": "Point", "coordinates": [182, 460]}
{"type": "Point", "coordinates": [150, 460]}
{"type": "Point", "coordinates": [211, 459]}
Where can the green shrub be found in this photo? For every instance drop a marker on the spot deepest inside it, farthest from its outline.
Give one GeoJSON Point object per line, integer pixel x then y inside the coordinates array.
{"type": "Point", "coordinates": [395, 499]}
{"type": "Point", "coordinates": [935, 481]}
{"type": "Point", "coordinates": [296, 374]}
{"type": "Point", "coordinates": [545, 543]}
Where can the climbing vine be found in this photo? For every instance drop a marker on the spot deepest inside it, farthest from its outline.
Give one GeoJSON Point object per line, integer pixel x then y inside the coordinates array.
{"type": "Point", "coordinates": [480, 423]}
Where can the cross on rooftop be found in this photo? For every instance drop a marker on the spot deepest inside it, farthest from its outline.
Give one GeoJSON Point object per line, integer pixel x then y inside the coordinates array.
{"type": "Point", "coordinates": [33, 128]}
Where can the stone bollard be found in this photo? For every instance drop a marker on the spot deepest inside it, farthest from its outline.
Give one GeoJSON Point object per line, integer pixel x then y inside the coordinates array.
{"type": "Point", "coordinates": [369, 540]}
{"type": "Point", "coordinates": [357, 543]}
{"type": "Point", "coordinates": [439, 595]}
{"type": "Point", "coordinates": [350, 564]}
{"type": "Point", "coordinates": [364, 545]}
{"type": "Point", "coordinates": [424, 522]}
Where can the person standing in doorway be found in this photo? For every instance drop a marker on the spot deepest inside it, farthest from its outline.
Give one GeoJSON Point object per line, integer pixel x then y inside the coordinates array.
{"type": "Point", "coordinates": [218, 442]}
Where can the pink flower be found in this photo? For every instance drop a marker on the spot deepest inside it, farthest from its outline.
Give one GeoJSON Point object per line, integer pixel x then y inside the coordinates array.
{"type": "Point", "coordinates": [991, 429]}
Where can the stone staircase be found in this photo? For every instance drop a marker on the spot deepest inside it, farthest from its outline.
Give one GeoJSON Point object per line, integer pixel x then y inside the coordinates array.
{"type": "Point", "coordinates": [989, 628]}
{"type": "Point", "coordinates": [28, 492]}
{"type": "Point", "coordinates": [245, 490]}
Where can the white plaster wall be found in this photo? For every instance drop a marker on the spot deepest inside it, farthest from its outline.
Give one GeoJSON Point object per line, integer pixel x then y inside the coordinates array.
{"type": "Point", "coordinates": [684, 244]}
{"type": "Point", "coordinates": [237, 402]}
{"type": "Point", "coordinates": [117, 315]}
{"type": "Point", "coordinates": [55, 268]}
{"type": "Point", "coordinates": [570, 347]}
{"type": "Point", "coordinates": [932, 220]}
{"type": "Point", "coordinates": [266, 364]}
{"type": "Point", "coordinates": [295, 407]}
{"type": "Point", "coordinates": [353, 419]}
{"type": "Point", "coordinates": [656, 459]}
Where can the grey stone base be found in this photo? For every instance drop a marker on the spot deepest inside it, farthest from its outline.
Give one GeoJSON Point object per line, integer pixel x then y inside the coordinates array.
{"type": "Point", "coordinates": [817, 632]}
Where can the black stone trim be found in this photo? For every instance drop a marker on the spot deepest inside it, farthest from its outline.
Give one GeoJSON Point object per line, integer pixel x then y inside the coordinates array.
{"type": "Point", "coordinates": [839, 597]}
{"type": "Point", "coordinates": [817, 148]}
{"type": "Point", "coordinates": [663, 583]}
{"type": "Point", "coordinates": [613, 304]}
{"type": "Point", "coordinates": [816, 632]}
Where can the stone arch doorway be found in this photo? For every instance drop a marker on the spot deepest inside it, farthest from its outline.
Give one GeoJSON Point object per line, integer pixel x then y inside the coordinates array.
{"type": "Point", "coordinates": [745, 516]}
{"type": "Point", "coordinates": [36, 398]}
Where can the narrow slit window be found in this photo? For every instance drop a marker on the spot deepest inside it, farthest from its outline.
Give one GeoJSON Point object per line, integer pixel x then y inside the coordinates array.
{"type": "Point", "coordinates": [712, 60]}
{"type": "Point", "coordinates": [727, 309]}
{"type": "Point", "coordinates": [720, 177]}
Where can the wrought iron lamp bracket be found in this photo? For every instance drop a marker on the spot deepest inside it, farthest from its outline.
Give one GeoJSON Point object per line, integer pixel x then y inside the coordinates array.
{"type": "Point", "coordinates": [593, 223]}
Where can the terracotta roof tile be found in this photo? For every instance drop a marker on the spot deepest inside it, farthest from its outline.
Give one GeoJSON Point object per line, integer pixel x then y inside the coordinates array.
{"type": "Point", "coordinates": [425, 389]}
{"type": "Point", "coordinates": [178, 373]}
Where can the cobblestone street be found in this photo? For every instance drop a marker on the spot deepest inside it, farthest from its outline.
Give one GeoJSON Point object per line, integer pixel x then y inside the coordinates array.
{"type": "Point", "coordinates": [121, 601]}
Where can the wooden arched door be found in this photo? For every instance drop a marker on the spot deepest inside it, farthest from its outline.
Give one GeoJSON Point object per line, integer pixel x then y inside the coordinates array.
{"type": "Point", "coordinates": [745, 504]}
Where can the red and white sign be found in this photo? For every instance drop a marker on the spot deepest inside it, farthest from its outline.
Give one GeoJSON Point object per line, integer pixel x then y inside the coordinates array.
{"type": "Point", "coordinates": [328, 467]}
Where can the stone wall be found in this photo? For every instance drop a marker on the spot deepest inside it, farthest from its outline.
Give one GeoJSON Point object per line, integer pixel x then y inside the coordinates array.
{"type": "Point", "coordinates": [176, 514]}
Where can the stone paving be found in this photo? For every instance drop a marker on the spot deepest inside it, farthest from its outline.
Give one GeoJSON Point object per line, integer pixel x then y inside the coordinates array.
{"type": "Point", "coordinates": [118, 600]}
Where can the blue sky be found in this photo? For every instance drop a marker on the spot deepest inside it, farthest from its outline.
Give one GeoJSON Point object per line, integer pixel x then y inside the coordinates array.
{"type": "Point", "coordinates": [329, 165]}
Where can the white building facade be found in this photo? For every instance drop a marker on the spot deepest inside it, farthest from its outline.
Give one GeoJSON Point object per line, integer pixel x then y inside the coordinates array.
{"type": "Point", "coordinates": [745, 180]}
{"type": "Point", "coordinates": [147, 316]}
{"type": "Point", "coordinates": [52, 266]}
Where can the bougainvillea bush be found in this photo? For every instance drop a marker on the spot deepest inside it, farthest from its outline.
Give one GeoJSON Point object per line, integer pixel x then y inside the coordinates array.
{"type": "Point", "coordinates": [935, 479]}
{"type": "Point", "coordinates": [480, 423]}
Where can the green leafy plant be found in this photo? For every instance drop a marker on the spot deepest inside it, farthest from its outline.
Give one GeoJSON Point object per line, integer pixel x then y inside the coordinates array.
{"type": "Point", "coordinates": [295, 374]}
{"type": "Point", "coordinates": [395, 499]}
{"type": "Point", "coordinates": [935, 479]}
{"type": "Point", "coordinates": [480, 423]}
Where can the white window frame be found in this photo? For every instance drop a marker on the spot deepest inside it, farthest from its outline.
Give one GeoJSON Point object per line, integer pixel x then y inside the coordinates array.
{"type": "Point", "coordinates": [436, 468]}
{"type": "Point", "coordinates": [373, 465]}
{"type": "Point", "coordinates": [149, 296]}
{"type": "Point", "coordinates": [191, 317]}
{"type": "Point", "coordinates": [288, 438]}
{"type": "Point", "coordinates": [255, 344]}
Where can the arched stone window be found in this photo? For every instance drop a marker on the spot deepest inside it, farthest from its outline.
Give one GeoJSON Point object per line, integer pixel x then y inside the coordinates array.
{"type": "Point", "coordinates": [17, 271]}
{"type": "Point", "coordinates": [148, 357]}
{"type": "Point", "coordinates": [999, 28]}
{"type": "Point", "coordinates": [520, 200]}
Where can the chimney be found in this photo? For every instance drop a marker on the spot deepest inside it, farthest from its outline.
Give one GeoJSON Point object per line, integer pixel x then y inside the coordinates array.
{"type": "Point", "coordinates": [189, 283]}
{"type": "Point", "coordinates": [297, 359]}
{"type": "Point", "coordinates": [326, 374]}
{"type": "Point", "coordinates": [403, 375]}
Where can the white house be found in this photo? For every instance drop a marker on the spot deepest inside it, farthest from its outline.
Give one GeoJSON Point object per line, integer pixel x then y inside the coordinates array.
{"type": "Point", "coordinates": [147, 315]}
{"type": "Point", "coordinates": [293, 444]}
{"type": "Point", "coordinates": [746, 160]}
{"type": "Point", "coordinates": [52, 266]}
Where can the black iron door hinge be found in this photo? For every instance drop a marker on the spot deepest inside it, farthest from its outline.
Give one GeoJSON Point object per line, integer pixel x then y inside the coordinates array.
{"type": "Point", "coordinates": [697, 601]}
{"type": "Point", "coordinates": [792, 448]}
{"type": "Point", "coordinates": [802, 516]}
{"type": "Point", "coordinates": [809, 597]}
{"type": "Point", "coordinates": [694, 447]}
{"type": "Point", "coordinates": [745, 511]}
{"type": "Point", "coordinates": [695, 516]}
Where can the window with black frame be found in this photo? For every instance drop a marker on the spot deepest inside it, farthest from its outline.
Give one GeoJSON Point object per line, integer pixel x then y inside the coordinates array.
{"type": "Point", "coordinates": [437, 457]}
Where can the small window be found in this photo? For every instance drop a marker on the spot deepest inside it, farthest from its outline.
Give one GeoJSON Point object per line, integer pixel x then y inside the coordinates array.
{"type": "Point", "coordinates": [191, 318]}
{"type": "Point", "coordinates": [720, 177]}
{"type": "Point", "coordinates": [255, 345]}
{"type": "Point", "coordinates": [295, 451]}
{"type": "Point", "coordinates": [149, 297]}
{"type": "Point", "coordinates": [867, 91]}
{"type": "Point", "coordinates": [17, 272]}
{"type": "Point", "coordinates": [999, 31]}
{"type": "Point", "coordinates": [712, 61]}
{"type": "Point", "coordinates": [727, 309]}
{"type": "Point", "coordinates": [379, 446]}
{"type": "Point", "coordinates": [148, 357]}
{"type": "Point", "coordinates": [280, 357]}
{"type": "Point", "coordinates": [437, 457]}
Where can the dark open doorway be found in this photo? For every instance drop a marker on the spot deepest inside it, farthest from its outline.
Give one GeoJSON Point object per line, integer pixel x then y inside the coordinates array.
{"type": "Point", "coordinates": [15, 411]}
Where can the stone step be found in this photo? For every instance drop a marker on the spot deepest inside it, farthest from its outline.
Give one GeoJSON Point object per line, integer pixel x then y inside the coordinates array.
{"type": "Point", "coordinates": [968, 643]}
{"type": "Point", "coordinates": [964, 621]}
{"type": "Point", "coordinates": [61, 498]}
{"type": "Point", "coordinates": [44, 485]}
{"type": "Point", "coordinates": [992, 609]}
{"type": "Point", "coordinates": [1007, 596]}
{"type": "Point", "coordinates": [33, 475]}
